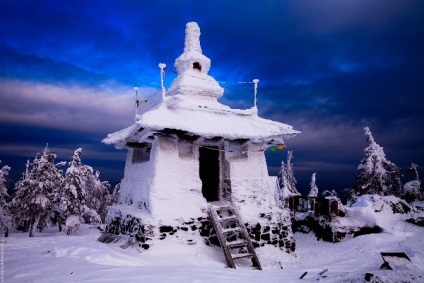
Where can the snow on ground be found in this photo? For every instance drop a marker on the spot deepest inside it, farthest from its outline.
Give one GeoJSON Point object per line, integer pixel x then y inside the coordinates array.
{"type": "Point", "coordinates": [54, 257]}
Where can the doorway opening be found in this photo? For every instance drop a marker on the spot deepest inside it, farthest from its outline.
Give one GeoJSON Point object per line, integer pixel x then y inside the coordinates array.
{"type": "Point", "coordinates": [209, 172]}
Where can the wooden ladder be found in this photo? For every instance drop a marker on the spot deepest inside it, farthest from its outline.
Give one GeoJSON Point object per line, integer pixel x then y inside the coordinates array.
{"type": "Point", "coordinates": [232, 235]}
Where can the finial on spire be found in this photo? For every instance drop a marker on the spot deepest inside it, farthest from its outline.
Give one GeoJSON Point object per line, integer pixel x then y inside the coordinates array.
{"type": "Point", "coordinates": [192, 38]}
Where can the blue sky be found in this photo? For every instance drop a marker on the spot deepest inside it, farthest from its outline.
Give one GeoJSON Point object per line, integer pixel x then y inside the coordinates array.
{"type": "Point", "coordinates": [329, 68]}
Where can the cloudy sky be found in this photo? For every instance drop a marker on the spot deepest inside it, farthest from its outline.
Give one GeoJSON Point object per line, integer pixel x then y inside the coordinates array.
{"type": "Point", "coordinates": [328, 67]}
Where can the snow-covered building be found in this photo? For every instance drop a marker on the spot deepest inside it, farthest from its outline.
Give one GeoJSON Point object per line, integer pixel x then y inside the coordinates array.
{"type": "Point", "coordinates": [190, 151]}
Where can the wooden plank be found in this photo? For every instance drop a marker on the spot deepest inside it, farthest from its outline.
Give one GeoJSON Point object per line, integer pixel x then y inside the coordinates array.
{"type": "Point", "coordinates": [239, 256]}
{"type": "Point", "coordinates": [250, 248]}
{"type": "Point", "coordinates": [237, 243]}
{"type": "Point", "coordinates": [218, 228]}
{"type": "Point", "coordinates": [242, 241]}
{"type": "Point", "coordinates": [231, 230]}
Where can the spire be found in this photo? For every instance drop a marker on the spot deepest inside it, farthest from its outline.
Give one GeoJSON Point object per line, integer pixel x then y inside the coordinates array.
{"type": "Point", "coordinates": [192, 38]}
{"type": "Point", "coordinates": [193, 68]}
{"type": "Point", "coordinates": [192, 56]}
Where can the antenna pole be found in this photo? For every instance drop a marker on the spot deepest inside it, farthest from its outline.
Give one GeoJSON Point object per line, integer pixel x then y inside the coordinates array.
{"type": "Point", "coordinates": [162, 67]}
{"type": "Point", "coordinates": [255, 81]}
{"type": "Point", "coordinates": [137, 102]}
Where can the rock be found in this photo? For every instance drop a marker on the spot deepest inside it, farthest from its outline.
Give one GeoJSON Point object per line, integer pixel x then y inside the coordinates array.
{"type": "Point", "coordinates": [165, 229]}
{"type": "Point", "coordinates": [265, 237]}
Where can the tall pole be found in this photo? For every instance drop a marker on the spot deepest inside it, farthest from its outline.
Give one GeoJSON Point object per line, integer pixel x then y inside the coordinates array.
{"type": "Point", "coordinates": [137, 102]}
{"type": "Point", "coordinates": [255, 81]}
{"type": "Point", "coordinates": [162, 67]}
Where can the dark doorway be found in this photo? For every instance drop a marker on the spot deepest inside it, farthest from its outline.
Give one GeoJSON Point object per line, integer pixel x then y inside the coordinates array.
{"type": "Point", "coordinates": [209, 172]}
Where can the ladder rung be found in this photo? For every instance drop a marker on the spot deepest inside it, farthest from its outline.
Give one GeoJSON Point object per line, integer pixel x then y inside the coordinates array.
{"type": "Point", "coordinates": [229, 208]}
{"type": "Point", "coordinates": [235, 244]}
{"type": "Point", "coordinates": [238, 256]}
{"type": "Point", "coordinates": [232, 230]}
{"type": "Point", "coordinates": [242, 239]}
{"type": "Point", "coordinates": [228, 218]}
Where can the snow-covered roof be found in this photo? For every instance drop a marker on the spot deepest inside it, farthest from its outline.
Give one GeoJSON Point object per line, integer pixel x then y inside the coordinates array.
{"type": "Point", "coordinates": [204, 118]}
{"type": "Point", "coordinates": [191, 105]}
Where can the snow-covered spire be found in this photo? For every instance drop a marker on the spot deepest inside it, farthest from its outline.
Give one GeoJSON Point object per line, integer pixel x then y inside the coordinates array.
{"type": "Point", "coordinates": [193, 68]}
{"type": "Point", "coordinates": [192, 58]}
{"type": "Point", "coordinates": [192, 38]}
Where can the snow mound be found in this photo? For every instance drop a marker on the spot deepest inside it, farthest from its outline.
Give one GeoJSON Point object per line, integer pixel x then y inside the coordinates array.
{"type": "Point", "coordinates": [72, 224]}
{"type": "Point", "coordinates": [412, 187]}
{"type": "Point", "coordinates": [383, 204]}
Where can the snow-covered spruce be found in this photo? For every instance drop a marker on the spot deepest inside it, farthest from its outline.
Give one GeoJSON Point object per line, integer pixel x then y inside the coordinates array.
{"type": "Point", "coordinates": [5, 217]}
{"type": "Point", "coordinates": [412, 190]}
{"type": "Point", "coordinates": [287, 182]}
{"type": "Point", "coordinates": [313, 193]}
{"type": "Point", "coordinates": [191, 150]}
{"type": "Point", "coordinates": [116, 194]}
{"type": "Point", "coordinates": [33, 204]}
{"type": "Point", "coordinates": [83, 195]}
{"type": "Point", "coordinates": [44, 197]}
{"type": "Point", "coordinates": [376, 174]}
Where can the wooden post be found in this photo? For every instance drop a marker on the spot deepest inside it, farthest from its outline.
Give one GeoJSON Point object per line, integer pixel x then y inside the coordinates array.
{"type": "Point", "coordinates": [291, 203]}
{"type": "Point", "coordinates": [317, 209]}
{"type": "Point", "coordinates": [335, 207]}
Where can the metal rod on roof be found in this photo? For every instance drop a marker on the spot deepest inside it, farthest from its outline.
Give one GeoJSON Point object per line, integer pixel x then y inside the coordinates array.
{"type": "Point", "coordinates": [162, 67]}
{"type": "Point", "coordinates": [137, 102]}
{"type": "Point", "coordinates": [256, 81]}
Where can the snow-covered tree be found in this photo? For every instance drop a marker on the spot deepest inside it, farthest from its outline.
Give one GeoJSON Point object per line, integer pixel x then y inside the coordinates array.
{"type": "Point", "coordinates": [414, 168]}
{"type": "Point", "coordinates": [376, 174]}
{"type": "Point", "coordinates": [330, 194]}
{"type": "Point", "coordinates": [97, 194]}
{"type": "Point", "coordinates": [314, 189]}
{"type": "Point", "coordinates": [73, 193]}
{"type": "Point", "coordinates": [291, 180]}
{"type": "Point", "coordinates": [116, 194]}
{"type": "Point", "coordinates": [5, 218]}
{"type": "Point", "coordinates": [34, 195]}
{"type": "Point", "coordinates": [83, 195]}
{"type": "Point", "coordinates": [287, 181]}
{"type": "Point", "coordinates": [412, 189]}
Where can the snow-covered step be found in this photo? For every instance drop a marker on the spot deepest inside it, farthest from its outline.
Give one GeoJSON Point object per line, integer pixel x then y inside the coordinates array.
{"type": "Point", "coordinates": [236, 243]}
{"type": "Point", "coordinates": [239, 256]}
{"type": "Point", "coordinates": [239, 231]}
{"type": "Point", "coordinates": [225, 208]}
{"type": "Point", "coordinates": [231, 230]}
{"type": "Point", "coordinates": [228, 218]}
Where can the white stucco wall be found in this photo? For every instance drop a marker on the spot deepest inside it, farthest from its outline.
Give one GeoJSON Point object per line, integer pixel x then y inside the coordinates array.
{"type": "Point", "coordinates": [176, 190]}
{"type": "Point", "coordinates": [137, 181]}
{"type": "Point", "coordinates": [252, 189]}
{"type": "Point", "coordinates": [168, 187]}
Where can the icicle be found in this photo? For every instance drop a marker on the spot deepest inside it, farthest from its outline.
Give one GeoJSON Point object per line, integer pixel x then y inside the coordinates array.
{"type": "Point", "coordinates": [255, 81]}
{"type": "Point", "coordinates": [162, 67]}
{"type": "Point", "coordinates": [137, 102]}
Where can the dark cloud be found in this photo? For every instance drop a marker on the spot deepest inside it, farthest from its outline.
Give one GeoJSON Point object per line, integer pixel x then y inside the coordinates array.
{"type": "Point", "coordinates": [327, 67]}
